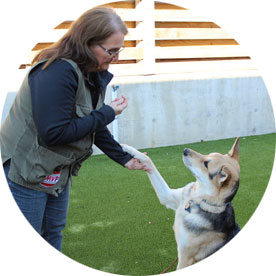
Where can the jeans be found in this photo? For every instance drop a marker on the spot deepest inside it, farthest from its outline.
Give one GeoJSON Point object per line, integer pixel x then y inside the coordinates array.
{"type": "Point", "coordinates": [46, 213]}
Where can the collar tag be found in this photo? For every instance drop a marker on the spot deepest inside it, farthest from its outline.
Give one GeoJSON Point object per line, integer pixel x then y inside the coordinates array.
{"type": "Point", "coordinates": [188, 207]}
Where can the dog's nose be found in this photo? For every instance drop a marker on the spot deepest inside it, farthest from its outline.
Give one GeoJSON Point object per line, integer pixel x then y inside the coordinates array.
{"type": "Point", "coordinates": [186, 152]}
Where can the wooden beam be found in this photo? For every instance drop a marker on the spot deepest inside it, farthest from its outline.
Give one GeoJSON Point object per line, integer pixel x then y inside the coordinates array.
{"type": "Point", "coordinates": [132, 69]}
{"type": "Point", "coordinates": [130, 14]}
{"type": "Point", "coordinates": [195, 42]}
{"type": "Point", "coordinates": [64, 25]}
{"type": "Point", "coordinates": [120, 4]}
{"type": "Point", "coordinates": [185, 52]}
{"type": "Point", "coordinates": [148, 28]}
{"type": "Point", "coordinates": [135, 33]}
{"type": "Point", "coordinates": [184, 67]}
{"type": "Point", "coordinates": [125, 14]}
{"type": "Point", "coordinates": [52, 35]}
{"type": "Point", "coordinates": [165, 6]}
{"type": "Point", "coordinates": [67, 24]}
{"type": "Point", "coordinates": [199, 52]}
{"type": "Point", "coordinates": [40, 46]}
{"type": "Point", "coordinates": [55, 34]}
{"type": "Point", "coordinates": [186, 25]}
{"type": "Point", "coordinates": [190, 33]}
{"type": "Point", "coordinates": [178, 16]}
{"type": "Point", "coordinates": [129, 53]}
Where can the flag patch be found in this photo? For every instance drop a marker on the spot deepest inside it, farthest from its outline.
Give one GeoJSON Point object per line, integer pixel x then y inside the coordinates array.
{"type": "Point", "coordinates": [51, 180]}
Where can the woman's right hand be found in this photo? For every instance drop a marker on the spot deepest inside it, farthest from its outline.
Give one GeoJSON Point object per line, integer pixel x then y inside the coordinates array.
{"type": "Point", "coordinates": [119, 104]}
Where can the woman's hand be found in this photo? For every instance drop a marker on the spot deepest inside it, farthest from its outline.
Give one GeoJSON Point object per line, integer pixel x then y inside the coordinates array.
{"type": "Point", "coordinates": [119, 104]}
{"type": "Point", "coordinates": [134, 164]}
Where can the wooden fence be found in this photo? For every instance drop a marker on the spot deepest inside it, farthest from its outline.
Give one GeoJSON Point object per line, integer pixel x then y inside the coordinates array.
{"type": "Point", "coordinates": [164, 38]}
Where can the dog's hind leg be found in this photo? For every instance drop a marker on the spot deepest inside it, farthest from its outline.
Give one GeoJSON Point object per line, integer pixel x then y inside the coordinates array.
{"type": "Point", "coordinates": [168, 197]}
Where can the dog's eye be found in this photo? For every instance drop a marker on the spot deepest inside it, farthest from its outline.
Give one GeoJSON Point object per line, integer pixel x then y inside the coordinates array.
{"type": "Point", "coordinates": [206, 164]}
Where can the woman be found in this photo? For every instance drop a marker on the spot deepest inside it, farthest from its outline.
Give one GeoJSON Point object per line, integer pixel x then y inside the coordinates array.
{"type": "Point", "coordinates": [58, 114]}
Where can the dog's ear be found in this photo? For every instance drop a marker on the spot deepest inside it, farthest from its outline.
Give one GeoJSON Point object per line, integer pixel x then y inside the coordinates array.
{"type": "Point", "coordinates": [234, 152]}
{"type": "Point", "coordinates": [224, 175]}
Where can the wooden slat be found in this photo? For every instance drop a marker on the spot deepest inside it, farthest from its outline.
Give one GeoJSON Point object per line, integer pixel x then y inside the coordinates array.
{"type": "Point", "coordinates": [52, 35]}
{"type": "Point", "coordinates": [178, 16]}
{"type": "Point", "coordinates": [199, 52]}
{"type": "Point", "coordinates": [195, 42]}
{"type": "Point", "coordinates": [56, 34]}
{"type": "Point", "coordinates": [186, 25]}
{"type": "Point", "coordinates": [64, 25]}
{"type": "Point", "coordinates": [165, 6]}
{"type": "Point", "coordinates": [40, 46]}
{"type": "Point", "coordinates": [130, 53]}
{"type": "Point", "coordinates": [130, 14]}
{"type": "Point", "coordinates": [134, 34]}
{"type": "Point", "coordinates": [132, 69]}
{"type": "Point", "coordinates": [148, 33]}
{"type": "Point", "coordinates": [186, 52]}
{"type": "Point", "coordinates": [160, 33]}
{"type": "Point", "coordinates": [125, 14]}
{"type": "Point", "coordinates": [120, 4]}
{"type": "Point", "coordinates": [67, 24]}
{"type": "Point", "coordinates": [131, 24]}
{"type": "Point", "coordinates": [191, 33]}
{"type": "Point", "coordinates": [184, 67]}
{"type": "Point", "coordinates": [204, 66]}
{"type": "Point", "coordinates": [170, 60]}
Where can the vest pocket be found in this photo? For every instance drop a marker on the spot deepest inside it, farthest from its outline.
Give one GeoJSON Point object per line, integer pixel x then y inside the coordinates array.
{"type": "Point", "coordinates": [41, 162]}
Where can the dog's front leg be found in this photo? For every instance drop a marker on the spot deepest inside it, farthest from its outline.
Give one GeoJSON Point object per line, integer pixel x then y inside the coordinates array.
{"type": "Point", "coordinates": [168, 197]}
{"type": "Point", "coordinates": [183, 261]}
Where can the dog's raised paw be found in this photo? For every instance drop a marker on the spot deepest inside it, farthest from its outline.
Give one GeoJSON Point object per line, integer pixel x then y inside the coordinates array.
{"type": "Point", "coordinates": [128, 149]}
{"type": "Point", "coordinates": [135, 153]}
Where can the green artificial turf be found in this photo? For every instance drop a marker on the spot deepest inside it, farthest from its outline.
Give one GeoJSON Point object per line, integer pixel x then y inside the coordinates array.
{"type": "Point", "coordinates": [116, 223]}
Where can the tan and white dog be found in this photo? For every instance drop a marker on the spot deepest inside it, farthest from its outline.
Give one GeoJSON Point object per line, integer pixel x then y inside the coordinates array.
{"type": "Point", "coordinates": [204, 215]}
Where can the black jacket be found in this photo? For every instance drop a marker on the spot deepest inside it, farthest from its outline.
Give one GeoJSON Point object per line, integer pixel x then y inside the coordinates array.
{"type": "Point", "coordinates": [53, 101]}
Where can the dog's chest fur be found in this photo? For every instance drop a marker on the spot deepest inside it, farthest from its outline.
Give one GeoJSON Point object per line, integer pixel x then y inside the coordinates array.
{"type": "Point", "coordinates": [189, 215]}
{"type": "Point", "coordinates": [199, 229]}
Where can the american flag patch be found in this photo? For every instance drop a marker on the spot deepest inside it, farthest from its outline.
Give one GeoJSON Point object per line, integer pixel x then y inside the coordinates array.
{"type": "Point", "coordinates": [51, 180]}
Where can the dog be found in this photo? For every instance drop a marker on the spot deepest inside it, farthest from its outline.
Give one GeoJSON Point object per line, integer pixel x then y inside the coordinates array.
{"type": "Point", "coordinates": [204, 215]}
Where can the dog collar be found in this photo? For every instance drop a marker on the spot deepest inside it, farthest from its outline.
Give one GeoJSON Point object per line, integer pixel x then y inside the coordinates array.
{"type": "Point", "coordinates": [212, 208]}
{"type": "Point", "coordinates": [207, 207]}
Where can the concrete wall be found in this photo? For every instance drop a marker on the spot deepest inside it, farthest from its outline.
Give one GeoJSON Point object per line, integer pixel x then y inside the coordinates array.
{"type": "Point", "coordinates": [176, 109]}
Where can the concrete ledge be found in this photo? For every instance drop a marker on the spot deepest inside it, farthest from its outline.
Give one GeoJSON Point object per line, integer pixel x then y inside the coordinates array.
{"type": "Point", "coordinates": [173, 109]}
{"type": "Point", "coordinates": [176, 109]}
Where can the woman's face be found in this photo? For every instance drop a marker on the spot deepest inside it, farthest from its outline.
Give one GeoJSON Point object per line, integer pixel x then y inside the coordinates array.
{"type": "Point", "coordinates": [113, 44]}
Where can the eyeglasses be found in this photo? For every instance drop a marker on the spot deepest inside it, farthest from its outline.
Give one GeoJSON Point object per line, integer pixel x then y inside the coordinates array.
{"type": "Point", "coordinates": [110, 52]}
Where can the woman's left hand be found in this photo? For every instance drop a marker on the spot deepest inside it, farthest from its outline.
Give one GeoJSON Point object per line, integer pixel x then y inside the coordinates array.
{"type": "Point", "coordinates": [134, 164]}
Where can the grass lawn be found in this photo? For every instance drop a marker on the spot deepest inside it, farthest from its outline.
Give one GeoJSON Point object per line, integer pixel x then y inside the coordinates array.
{"type": "Point", "coordinates": [116, 223]}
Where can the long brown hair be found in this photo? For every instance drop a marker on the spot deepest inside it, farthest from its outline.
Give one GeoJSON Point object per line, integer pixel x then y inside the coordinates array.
{"type": "Point", "coordinates": [93, 27]}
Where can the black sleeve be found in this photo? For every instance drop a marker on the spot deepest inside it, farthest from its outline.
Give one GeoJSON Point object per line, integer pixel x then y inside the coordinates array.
{"type": "Point", "coordinates": [105, 142]}
{"type": "Point", "coordinates": [53, 93]}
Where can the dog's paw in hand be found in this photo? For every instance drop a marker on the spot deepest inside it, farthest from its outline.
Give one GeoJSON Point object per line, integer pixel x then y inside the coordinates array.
{"type": "Point", "coordinates": [142, 157]}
